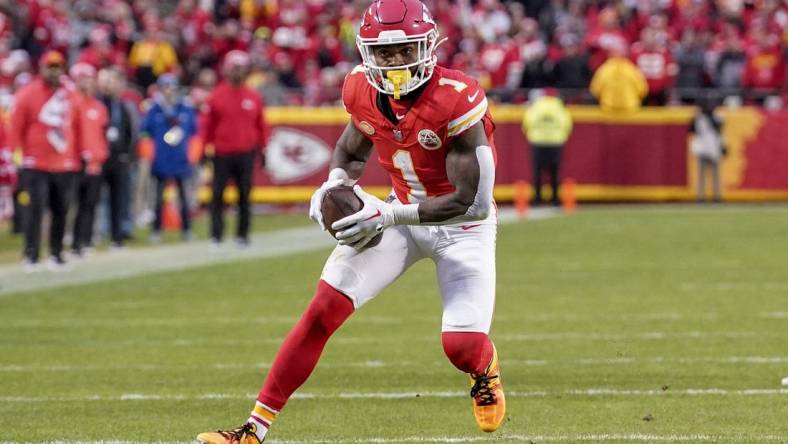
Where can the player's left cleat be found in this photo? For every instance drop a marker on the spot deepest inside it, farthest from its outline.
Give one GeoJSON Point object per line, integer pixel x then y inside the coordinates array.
{"type": "Point", "coordinates": [489, 403]}
{"type": "Point", "coordinates": [242, 435]}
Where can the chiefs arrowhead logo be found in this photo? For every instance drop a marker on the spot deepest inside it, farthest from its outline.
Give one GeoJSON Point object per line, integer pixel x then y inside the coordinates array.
{"type": "Point", "coordinates": [292, 155]}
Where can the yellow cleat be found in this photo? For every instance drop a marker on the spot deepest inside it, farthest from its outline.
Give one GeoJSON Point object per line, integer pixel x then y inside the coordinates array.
{"type": "Point", "coordinates": [242, 435]}
{"type": "Point", "coordinates": [489, 403]}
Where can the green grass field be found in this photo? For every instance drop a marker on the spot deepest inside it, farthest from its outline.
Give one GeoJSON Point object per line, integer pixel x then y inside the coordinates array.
{"type": "Point", "coordinates": [613, 325]}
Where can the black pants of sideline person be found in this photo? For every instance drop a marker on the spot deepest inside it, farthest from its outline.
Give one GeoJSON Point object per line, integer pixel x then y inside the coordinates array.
{"type": "Point", "coordinates": [161, 183]}
{"type": "Point", "coordinates": [546, 158]}
{"type": "Point", "coordinates": [238, 167]}
{"type": "Point", "coordinates": [88, 190]}
{"type": "Point", "coordinates": [116, 176]}
{"type": "Point", "coordinates": [45, 190]}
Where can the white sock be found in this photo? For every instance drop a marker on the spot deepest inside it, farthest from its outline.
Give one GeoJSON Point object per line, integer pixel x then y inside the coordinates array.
{"type": "Point", "coordinates": [262, 416]}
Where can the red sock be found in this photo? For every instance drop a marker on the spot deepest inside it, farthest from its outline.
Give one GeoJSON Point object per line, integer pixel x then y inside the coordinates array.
{"type": "Point", "coordinates": [468, 351]}
{"type": "Point", "coordinates": [301, 350]}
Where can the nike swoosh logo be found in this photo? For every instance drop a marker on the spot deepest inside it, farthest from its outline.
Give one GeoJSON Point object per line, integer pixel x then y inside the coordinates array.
{"type": "Point", "coordinates": [473, 97]}
{"type": "Point", "coordinates": [400, 117]}
{"type": "Point", "coordinates": [468, 227]}
{"type": "Point", "coordinates": [373, 216]}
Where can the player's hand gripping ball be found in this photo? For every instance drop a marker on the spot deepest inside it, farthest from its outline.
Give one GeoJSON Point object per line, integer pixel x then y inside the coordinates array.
{"type": "Point", "coordinates": [340, 202]}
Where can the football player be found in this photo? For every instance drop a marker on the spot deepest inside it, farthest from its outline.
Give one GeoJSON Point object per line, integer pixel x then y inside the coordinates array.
{"type": "Point", "coordinates": [432, 132]}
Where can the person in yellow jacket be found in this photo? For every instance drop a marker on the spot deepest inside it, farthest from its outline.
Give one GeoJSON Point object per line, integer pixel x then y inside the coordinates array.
{"type": "Point", "coordinates": [618, 84]}
{"type": "Point", "coordinates": [547, 125]}
{"type": "Point", "coordinates": [152, 56]}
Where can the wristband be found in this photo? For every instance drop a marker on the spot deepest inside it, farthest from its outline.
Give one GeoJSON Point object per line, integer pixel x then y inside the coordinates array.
{"type": "Point", "coordinates": [406, 214]}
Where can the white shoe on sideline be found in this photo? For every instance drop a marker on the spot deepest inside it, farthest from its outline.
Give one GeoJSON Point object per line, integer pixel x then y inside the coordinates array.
{"type": "Point", "coordinates": [57, 264]}
{"type": "Point", "coordinates": [31, 266]}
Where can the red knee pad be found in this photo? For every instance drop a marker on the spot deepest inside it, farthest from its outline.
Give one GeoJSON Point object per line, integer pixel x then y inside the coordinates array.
{"type": "Point", "coordinates": [470, 352]}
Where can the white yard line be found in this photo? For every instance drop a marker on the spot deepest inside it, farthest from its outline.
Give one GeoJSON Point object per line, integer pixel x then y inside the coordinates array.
{"type": "Point", "coordinates": [61, 322]}
{"type": "Point", "coordinates": [378, 364]}
{"type": "Point", "coordinates": [139, 261]}
{"type": "Point", "coordinates": [648, 336]}
{"type": "Point", "coordinates": [582, 393]}
{"type": "Point", "coordinates": [774, 315]}
{"type": "Point", "coordinates": [534, 337]}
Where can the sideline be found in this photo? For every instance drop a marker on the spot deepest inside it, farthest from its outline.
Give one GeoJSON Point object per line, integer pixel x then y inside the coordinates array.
{"type": "Point", "coordinates": [111, 265]}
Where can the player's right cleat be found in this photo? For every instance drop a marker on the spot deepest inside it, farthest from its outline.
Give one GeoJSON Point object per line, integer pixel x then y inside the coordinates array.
{"type": "Point", "coordinates": [246, 434]}
{"type": "Point", "coordinates": [489, 403]}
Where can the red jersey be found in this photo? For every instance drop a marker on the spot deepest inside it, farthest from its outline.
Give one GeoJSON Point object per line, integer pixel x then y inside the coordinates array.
{"type": "Point", "coordinates": [87, 134]}
{"type": "Point", "coordinates": [497, 60]}
{"type": "Point", "coordinates": [657, 66]}
{"type": "Point", "coordinates": [600, 42]}
{"type": "Point", "coordinates": [765, 68]}
{"type": "Point", "coordinates": [233, 120]}
{"type": "Point", "coordinates": [414, 150]}
{"type": "Point", "coordinates": [38, 125]}
{"type": "Point", "coordinates": [98, 58]}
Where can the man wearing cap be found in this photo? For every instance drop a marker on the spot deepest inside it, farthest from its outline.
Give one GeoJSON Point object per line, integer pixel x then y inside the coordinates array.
{"type": "Point", "coordinates": [234, 125]}
{"type": "Point", "coordinates": [38, 128]}
{"type": "Point", "coordinates": [88, 125]}
{"type": "Point", "coordinates": [171, 123]}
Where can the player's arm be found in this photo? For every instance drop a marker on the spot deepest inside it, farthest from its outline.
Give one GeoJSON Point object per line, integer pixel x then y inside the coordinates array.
{"type": "Point", "coordinates": [350, 156]}
{"type": "Point", "coordinates": [351, 153]}
{"type": "Point", "coordinates": [471, 169]}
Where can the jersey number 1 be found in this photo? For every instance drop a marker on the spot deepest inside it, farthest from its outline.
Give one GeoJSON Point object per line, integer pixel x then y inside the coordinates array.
{"type": "Point", "coordinates": [456, 84]}
{"type": "Point", "coordinates": [404, 162]}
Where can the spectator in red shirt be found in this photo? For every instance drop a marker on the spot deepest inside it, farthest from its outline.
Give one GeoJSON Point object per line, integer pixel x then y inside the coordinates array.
{"type": "Point", "coordinates": [51, 27]}
{"type": "Point", "coordinates": [100, 53]}
{"type": "Point", "coordinates": [606, 36]}
{"type": "Point", "coordinates": [764, 66]}
{"type": "Point", "coordinates": [657, 66]}
{"type": "Point", "coordinates": [194, 26]}
{"type": "Point", "coordinates": [235, 126]}
{"type": "Point", "coordinates": [498, 61]}
{"type": "Point", "coordinates": [88, 125]}
{"type": "Point", "coordinates": [38, 128]}
{"type": "Point", "coordinates": [228, 38]}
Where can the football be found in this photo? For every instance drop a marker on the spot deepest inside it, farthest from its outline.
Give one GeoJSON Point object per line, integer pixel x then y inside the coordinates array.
{"type": "Point", "coordinates": [339, 202]}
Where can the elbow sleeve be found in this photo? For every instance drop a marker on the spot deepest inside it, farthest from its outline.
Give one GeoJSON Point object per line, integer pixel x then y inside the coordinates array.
{"type": "Point", "coordinates": [483, 202]}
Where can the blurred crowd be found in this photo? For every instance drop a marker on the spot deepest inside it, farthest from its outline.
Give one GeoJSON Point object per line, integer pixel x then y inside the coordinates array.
{"type": "Point", "coordinates": [302, 49]}
{"type": "Point", "coordinates": [144, 67]}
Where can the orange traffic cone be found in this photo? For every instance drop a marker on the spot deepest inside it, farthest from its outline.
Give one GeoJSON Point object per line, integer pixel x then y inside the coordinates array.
{"type": "Point", "coordinates": [569, 198]}
{"type": "Point", "coordinates": [171, 220]}
{"type": "Point", "coordinates": [521, 198]}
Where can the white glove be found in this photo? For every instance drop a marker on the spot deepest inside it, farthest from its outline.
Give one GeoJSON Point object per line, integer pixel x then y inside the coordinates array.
{"type": "Point", "coordinates": [359, 228]}
{"type": "Point", "coordinates": [316, 203]}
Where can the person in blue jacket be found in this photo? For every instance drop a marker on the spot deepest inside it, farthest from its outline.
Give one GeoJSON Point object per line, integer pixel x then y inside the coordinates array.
{"type": "Point", "coordinates": [170, 122]}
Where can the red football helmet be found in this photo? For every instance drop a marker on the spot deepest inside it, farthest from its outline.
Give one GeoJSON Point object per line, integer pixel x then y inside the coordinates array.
{"type": "Point", "coordinates": [392, 22]}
